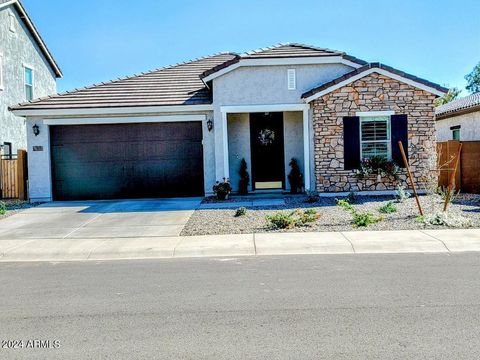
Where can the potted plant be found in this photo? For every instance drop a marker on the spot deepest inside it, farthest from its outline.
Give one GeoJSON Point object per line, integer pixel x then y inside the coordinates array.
{"type": "Point", "coordinates": [295, 177]}
{"type": "Point", "coordinates": [222, 189]}
{"type": "Point", "coordinates": [244, 178]}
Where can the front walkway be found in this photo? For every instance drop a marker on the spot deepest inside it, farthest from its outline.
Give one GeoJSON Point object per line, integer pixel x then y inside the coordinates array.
{"type": "Point", "coordinates": [358, 242]}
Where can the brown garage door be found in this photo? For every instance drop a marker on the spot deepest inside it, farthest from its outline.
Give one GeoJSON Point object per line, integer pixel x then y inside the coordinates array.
{"type": "Point", "coordinates": [127, 160]}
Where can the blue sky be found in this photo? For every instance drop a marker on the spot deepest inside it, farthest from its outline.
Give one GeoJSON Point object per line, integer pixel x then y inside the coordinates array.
{"type": "Point", "coordinates": [99, 40]}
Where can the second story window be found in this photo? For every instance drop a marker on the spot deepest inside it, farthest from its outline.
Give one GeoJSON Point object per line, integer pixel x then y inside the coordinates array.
{"type": "Point", "coordinates": [28, 83]}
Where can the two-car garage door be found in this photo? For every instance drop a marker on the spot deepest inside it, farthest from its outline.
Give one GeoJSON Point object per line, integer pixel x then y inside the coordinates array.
{"type": "Point", "coordinates": [127, 160]}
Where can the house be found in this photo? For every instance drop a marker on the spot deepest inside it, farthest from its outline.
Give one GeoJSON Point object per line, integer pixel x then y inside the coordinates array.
{"type": "Point", "coordinates": [27, 71]}
{"type": "Point", "coordinates": [459, 119]}
{"type": "Point", "coordinates": [174, 131]}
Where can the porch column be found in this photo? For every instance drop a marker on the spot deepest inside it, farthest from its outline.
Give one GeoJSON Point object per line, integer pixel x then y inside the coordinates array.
{"type": "Point", "coordinates": [226, 170]}
{"type": "Point", "coordinates": [306, 147]}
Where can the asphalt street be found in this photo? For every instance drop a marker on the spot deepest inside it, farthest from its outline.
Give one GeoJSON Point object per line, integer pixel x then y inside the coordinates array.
{"type": "Point", "coordinates": [404, 306]}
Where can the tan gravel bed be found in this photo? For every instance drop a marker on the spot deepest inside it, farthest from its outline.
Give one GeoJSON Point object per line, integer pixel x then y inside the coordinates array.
{"type": "Point", "coordinates": [332, 217]}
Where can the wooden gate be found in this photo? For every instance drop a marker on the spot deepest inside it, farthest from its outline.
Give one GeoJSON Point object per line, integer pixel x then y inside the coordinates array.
{"type": "Point", "coordinates": [13, 176]}
{"type": "Point", "coordinates": [467, 178]}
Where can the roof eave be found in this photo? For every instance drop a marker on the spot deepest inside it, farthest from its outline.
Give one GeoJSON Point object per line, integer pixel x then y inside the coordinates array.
{"type": "Point", "coordinates": [457, 112]}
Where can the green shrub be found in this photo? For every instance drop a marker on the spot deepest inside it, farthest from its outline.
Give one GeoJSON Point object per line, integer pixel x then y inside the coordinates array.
{"type": "Point", "coordinates": [388, 208]}
{"type": "Point", "coordinates": [344, 204]}
{"type": "Point", "coordinates": [298, 217]}
{"type": "Point", "coordinates": [307, 216]}
{"type": "Point", "coordinates": [240, 211]}
{"type": "Point", "coordinates": [281, 220]}
{"type": "Point", "coordinates": [3, 208]}
{"type": "Point", "coordinates": [364, 219]}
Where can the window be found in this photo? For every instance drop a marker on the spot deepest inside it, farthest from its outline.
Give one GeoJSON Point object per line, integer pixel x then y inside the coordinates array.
{"type": "Point", "coordinates": [291, 79]}
{"type": "Point", "coordinates": [28, 83]}
{"type": "Point", "coordinates": [455, 132]}
{"type": "Point", "coordinates": [375, 137]}
{"type": "Point", "coordinates": [11, 22]}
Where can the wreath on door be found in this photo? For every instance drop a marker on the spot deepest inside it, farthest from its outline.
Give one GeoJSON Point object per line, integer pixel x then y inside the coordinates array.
{"type": "Point", "coordinates": [266, 137]}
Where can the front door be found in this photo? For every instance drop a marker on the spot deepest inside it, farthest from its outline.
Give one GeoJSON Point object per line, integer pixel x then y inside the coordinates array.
{"type": "Point", "coordinates": [268, 160]}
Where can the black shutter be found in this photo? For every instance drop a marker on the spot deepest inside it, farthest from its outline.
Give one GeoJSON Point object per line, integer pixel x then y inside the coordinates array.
{"type": "Point", "coordinates": [399, 128]}
{"type": "Point", "coordinates": [351, 142]}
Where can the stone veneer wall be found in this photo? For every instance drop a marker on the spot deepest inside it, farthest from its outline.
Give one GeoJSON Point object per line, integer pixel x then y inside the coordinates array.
{"type": "Point", "coordinates": [373, 92]}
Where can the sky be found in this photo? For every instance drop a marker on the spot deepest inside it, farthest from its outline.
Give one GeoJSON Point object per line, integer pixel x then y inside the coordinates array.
{"type": "Point", "coordinates": [100, 40]}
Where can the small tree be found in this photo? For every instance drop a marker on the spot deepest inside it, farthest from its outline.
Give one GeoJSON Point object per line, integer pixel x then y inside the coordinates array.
{"type": "Point", "coordinates": [448, 97]}
{"type": "Point", "coordinates": [244, 178]}
{"type": "Point", "coordinates": [295, 177]}
{"type": "Point", "coordinates": [473, 80]}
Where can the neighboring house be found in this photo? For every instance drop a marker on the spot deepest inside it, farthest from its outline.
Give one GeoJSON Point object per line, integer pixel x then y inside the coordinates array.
{"type": "Point", "coordinates": [459, 119]}
{"type": "Point", "coordinates": [27, 71]}
{"type": "Point", "coordinates": [175, 131]}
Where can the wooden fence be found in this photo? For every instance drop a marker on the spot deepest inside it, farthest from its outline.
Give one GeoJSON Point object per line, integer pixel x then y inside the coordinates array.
{"type": "Point", "coordinates": [467, 178]}
{"type": "Point", "coordinates": [13, 176]}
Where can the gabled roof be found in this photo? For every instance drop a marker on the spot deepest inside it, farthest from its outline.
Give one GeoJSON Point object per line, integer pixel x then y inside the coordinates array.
{"type": "Point", "coordinates": [370, 68]}
{"type": "Point", "coordinates": [285, 51]}
{"type": "Point", "coordinates": [464, 105]}
{"type": "Point", "coordinates": [178, 84]}
{"type": "Point", "coordinates": [35, 34]}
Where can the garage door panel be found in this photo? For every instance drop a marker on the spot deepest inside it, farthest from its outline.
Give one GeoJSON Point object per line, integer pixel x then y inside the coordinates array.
{"type": "Point", "coordinates": [127, 160]}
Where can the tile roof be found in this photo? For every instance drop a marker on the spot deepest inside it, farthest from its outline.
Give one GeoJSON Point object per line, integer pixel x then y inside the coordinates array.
{"type": "Point", "coordinates": [287, 50]}
{"type": "Point", "coordinates": [467, 103]}
{"type": "Point", "coordinates": [179, 84]}
{"type": "Point", "coordinates": [367, 67]}
{"type": "Point", "coordinates": [36, 36]}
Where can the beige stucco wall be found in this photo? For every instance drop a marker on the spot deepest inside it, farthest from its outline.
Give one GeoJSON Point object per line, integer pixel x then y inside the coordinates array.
{"type": "Point", "coordinates": [293, 133]}
{"type": "Point", "coordinates": [469, 131]}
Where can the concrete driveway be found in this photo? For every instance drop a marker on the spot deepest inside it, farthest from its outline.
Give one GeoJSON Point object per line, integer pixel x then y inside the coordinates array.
{"type": "Point", "coordinates": [100, 219]}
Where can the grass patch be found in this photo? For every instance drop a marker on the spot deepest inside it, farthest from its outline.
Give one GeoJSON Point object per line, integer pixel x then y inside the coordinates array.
{"type": "Point", "coordinates": [3, 208]}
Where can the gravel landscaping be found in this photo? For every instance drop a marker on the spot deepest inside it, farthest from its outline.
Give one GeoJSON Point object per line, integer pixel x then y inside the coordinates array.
{"type": "Point", "coordinates": [332, 217]}
{"type": "Point", "coordinates": [16, 206]}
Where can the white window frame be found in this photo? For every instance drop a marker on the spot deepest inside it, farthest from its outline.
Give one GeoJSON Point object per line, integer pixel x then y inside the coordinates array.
{"type": "Point", "coordinates": [11, 22]}
{"type": "Point", "coordinates": [25, 67]}
{"type": "Point", "coordinates": [291, 73]}
{"type": "Point", "coordinates": [366, 116]}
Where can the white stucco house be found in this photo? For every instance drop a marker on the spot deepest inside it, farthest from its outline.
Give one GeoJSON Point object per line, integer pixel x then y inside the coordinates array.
{"type": "Point", "coordinates": [459, 119]}
{"type": "Point", "coordinates": [27, 71]}
{"type": "Point", "coordinates": [174, 131]}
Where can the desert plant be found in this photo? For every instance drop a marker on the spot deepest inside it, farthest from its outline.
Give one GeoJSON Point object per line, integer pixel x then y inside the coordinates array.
{"type": "Point", "coordinates": [222, 189]}
{"type": "Point", "coordinates": [402, 194]}
{"type": "Point", "coordinates": [444, 193]}
{"type": "Point", "coordinates": [3, 208]}
{"type": "Point", "coordinates": [244, 178]}
{"type": "Point", "coordinates": [364, 219]}
{"type": "Point", "coordinates": [445, 219]}
{"type": "Point", "coordinates": [241, 211]}
{"type": "Point", "coordinates": [344, 204]}
{"type": "Point", "coordinates": [281, 220]}
{"type": "Point", "coordinates": [298, 217]}
{"type": "Point", "coordinates": [295, 178]}
{"type": "Point", "coordinates": [312, 196]}
{"type": "Point", "coordinates": [388, 208]}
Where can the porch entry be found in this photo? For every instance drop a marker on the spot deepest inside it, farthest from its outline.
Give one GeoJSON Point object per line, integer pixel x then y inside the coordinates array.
{"type": "Point", "coordinates": [267, 150]}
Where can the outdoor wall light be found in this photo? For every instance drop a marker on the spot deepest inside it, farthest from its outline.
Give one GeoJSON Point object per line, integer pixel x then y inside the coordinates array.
{"type": "Point", "coordinates": [210, 125]}
{"type": "Point", "coordinates": [36, 130]}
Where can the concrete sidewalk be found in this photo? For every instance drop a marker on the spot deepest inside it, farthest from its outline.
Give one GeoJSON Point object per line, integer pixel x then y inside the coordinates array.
{"type": "Point", "coordinates": [354, 242]}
